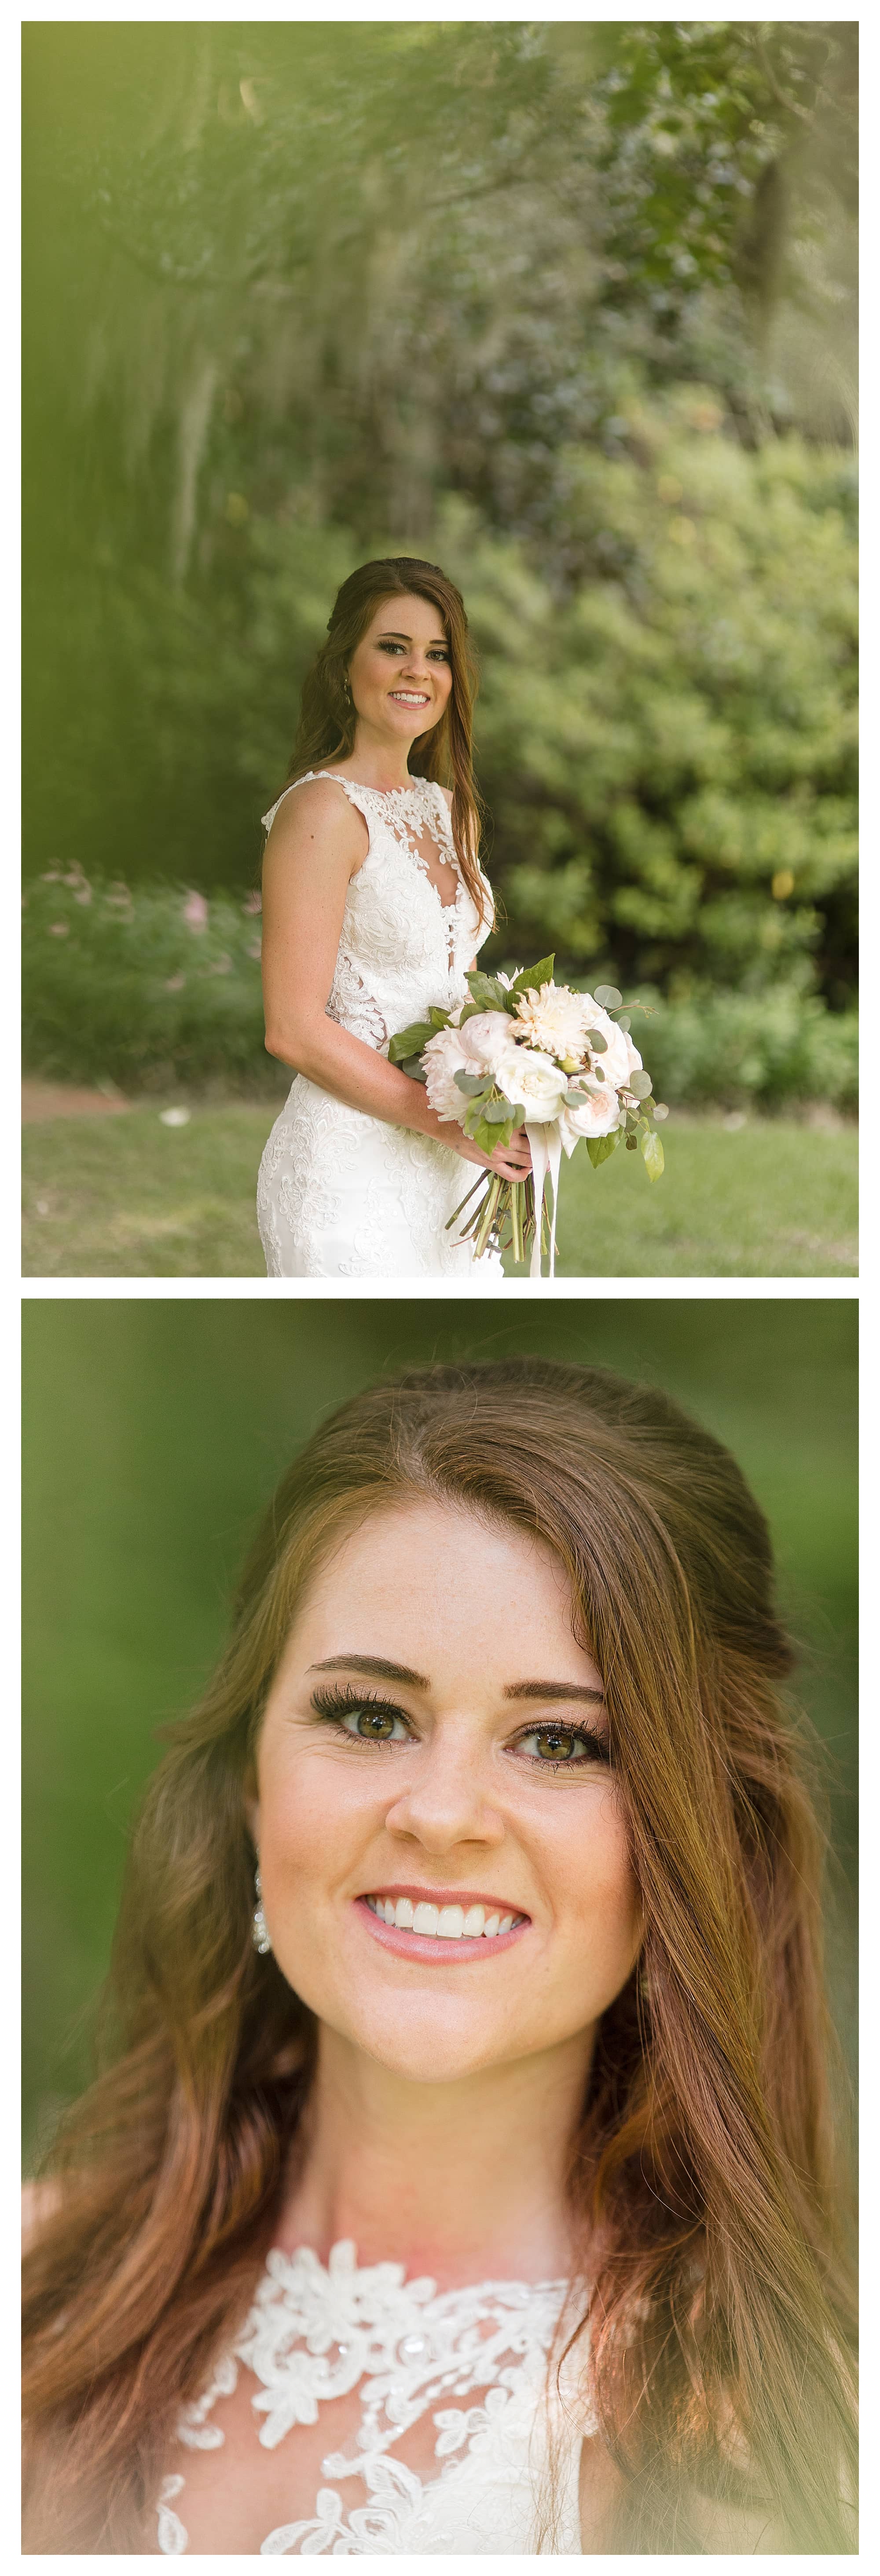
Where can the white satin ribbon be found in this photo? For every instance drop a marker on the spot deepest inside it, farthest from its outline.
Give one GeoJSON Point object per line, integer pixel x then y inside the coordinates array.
{"type": "Point", "coordinates": [546, 1145]}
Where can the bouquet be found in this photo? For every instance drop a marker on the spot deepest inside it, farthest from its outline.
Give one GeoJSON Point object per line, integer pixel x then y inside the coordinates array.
{"type": "Point", "coordinates": [526, 1052]}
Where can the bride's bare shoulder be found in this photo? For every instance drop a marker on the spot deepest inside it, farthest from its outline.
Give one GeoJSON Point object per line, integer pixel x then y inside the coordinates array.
{"type": "Point", "coordinates": [39, 2201]}
{"type": "Point", "coordinates": [318, 813]}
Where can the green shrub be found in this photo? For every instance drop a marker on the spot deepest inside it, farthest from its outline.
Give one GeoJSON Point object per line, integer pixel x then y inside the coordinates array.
{"type": "Point", "coordinates": [133, 987]}
{"type": "Point", "coordinates": [665, 741]}
{"type": "Point", "coordinates": [742, 1049]}
{"type": "Point", "coordinates": [120, 986]}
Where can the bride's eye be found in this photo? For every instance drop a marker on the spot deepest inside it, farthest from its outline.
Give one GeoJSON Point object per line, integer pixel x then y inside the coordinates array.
{"type": "Point", "coordinates": [568, 1748]}
{"type": "Point", "coordinates": [369, 1721]}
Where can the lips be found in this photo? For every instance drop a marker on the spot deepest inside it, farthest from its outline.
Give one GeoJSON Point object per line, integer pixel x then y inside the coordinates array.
{"type": "Point", "coordinates": [442, 1925]}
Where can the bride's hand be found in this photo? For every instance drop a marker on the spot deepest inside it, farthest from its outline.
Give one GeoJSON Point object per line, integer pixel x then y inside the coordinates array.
{"type": "Point", "coordinates": [512, 1162]}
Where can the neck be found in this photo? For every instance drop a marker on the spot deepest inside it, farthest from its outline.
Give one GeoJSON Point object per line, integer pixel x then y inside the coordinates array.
{"type": "Point", "coordinates": [379, 760]}
{"type": "Point", "coordinates": [464, 2181]}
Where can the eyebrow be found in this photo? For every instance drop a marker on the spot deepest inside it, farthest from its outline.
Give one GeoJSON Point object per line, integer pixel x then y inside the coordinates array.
{"type": "Point", "coordinates": [376, 1666]}
{"type": "Point", "coordinates": [400, 636]}
{"type": "Point", "coordinates": [380, 1670]}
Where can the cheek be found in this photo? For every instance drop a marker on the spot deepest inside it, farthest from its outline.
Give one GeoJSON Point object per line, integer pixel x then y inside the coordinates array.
{"type": "Point", "coordinates": [313, 1812]}
{"type": "Point", "coordinates": [595, 1877]}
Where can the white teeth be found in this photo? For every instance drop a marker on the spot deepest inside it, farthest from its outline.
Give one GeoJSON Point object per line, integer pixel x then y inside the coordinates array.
{"type": "Point", "coordinates": [441, 1922]}
{"type": "Point", "coordinates": [426, 1918]}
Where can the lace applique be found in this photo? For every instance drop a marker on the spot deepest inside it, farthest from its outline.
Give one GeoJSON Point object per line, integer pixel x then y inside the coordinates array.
{"type": "Point", "coordinates": [340, 1194]}
{"type": "Point", "coordinates": [314, 2334]}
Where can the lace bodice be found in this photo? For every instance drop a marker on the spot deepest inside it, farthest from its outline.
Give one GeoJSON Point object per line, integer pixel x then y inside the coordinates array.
{"type": "Point", "coordinates": [400, 946]}
{"type": "Point", "coordinates": [475, 2361]}
{"type": "Point", "coordinates": [342, 1195]}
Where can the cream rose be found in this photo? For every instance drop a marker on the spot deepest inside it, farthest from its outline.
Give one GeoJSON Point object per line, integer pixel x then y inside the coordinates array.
{"type": "Point", "coordinates": [621, 1058]}
{"type": "Point", "coordinates": [598, 1115]}
{"type": "Point", "coordinates": [531, 1080]}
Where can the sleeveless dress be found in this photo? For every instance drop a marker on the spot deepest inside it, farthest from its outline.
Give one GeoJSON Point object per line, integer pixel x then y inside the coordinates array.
{"type": "Point", "coordinates": [476, 2360]}
{"type": "Point", "coordinates": [341, 1195]}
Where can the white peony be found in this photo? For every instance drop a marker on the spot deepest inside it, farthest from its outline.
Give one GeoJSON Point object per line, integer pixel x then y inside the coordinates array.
{"type": "Point", "coordinates": [554, 1019]}
{"type": "Point", "coordinates": [475, 1048]}
{"type": "Point", "coordinates": [443, 1058]}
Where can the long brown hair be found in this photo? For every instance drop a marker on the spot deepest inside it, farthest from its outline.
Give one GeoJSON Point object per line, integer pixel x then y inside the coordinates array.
{"type": "Point", "coordinates": [328, 719]}
{"type": "Point", "coordinates": [704, 2173]}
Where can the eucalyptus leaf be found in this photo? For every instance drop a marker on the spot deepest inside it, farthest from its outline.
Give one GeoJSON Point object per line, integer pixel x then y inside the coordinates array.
{"type": "Point", "coordinates": [575, 1099]}
{"type": "Point", "coordinates": [496, 1111]}
{"type": "Point", "coordinates": [471, 1083]}
{"type": "Point", "coordinates": [596, 1040]}
{"type": "Point", "coordinates": [640, 1083]}
{"type": "Point", "coordinates": [652, 1151]}
{"type": "Point", "coordinates": [624, 1022]}
{"type": "Point", "coordinates": [608, 997]}
{"type": "Point", "coordinates": [660, 1109]}
{"type": "Point", "coordinates": [414, 1067]}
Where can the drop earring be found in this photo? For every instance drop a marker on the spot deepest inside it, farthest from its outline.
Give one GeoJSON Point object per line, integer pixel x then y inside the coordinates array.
{"type": "Point", "coordinates": [259, 1927]}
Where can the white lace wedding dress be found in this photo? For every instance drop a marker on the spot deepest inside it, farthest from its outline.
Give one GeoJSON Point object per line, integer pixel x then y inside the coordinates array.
{"type": "Point", "coordinates": [341, 1195]}
{"type": "Point", "coordinates": [399, 2349]}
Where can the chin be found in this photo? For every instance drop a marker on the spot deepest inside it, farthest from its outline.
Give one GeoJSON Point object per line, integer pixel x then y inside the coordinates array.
{"type": "Point", "coordinates": [431, 2050]}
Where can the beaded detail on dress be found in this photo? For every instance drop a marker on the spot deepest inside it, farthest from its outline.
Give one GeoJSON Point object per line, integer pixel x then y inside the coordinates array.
{"type": "Point", "coordinates": [316, 2332]}
{"type": "Point", "coordinates": [341, 1194]}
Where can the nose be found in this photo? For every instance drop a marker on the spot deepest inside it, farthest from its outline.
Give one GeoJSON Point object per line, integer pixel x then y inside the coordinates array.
{"type": "Point", "coordinates": [449, 1803]}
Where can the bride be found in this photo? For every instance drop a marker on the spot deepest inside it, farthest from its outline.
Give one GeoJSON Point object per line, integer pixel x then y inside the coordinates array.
{"type": "Point", "coordinates": [374, 907]}
{"type": "Point", "coordinates": [466, 2181]}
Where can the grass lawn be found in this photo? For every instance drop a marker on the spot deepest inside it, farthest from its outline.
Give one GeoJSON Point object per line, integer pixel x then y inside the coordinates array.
{"type": "Point", "coordinates": [126, 1197]}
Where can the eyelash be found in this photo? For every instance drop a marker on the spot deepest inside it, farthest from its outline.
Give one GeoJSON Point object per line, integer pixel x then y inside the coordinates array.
{"type": "Point", "coordinates": [435, 650]}
{"type": "Point", "coordinates": [332, 1706]}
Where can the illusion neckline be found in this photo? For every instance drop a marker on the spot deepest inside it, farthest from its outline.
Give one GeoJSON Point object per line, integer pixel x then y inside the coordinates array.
{"type": "Point", "coordinates": [343, 2259]}
{"type": "Point", "coordinates": [411, 788]}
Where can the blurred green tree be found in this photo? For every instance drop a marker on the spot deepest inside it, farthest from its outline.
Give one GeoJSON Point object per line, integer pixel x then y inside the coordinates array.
{"type": "Point", "coordinates": [297, 293]}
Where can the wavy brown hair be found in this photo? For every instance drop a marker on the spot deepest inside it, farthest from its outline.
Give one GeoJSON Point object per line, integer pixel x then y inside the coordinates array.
{"type": "Point", "coordinates": [704, 2173]}
{"type": "Point", "coordinates": [328, 718]}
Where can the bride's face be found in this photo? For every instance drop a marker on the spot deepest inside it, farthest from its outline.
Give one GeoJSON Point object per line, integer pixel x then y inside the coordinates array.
{"type": "Point", "coordinates": [400, 674]}
{"type": "Point", "coordinates": [435, 1738]}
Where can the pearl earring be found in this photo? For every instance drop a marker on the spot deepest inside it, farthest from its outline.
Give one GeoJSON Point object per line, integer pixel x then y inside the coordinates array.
{"type": "Point", "coordinates": [260, 1928]}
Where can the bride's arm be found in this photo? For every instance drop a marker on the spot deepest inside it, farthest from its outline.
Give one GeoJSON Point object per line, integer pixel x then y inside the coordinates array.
{"type": "Point", "coordinates": [314, 848]}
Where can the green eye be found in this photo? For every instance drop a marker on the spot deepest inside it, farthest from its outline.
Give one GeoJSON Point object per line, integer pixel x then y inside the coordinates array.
{"type": "Point", "coordinates": [570, 1747]}
{"type": "Point", "coordinates": [557, 1744]}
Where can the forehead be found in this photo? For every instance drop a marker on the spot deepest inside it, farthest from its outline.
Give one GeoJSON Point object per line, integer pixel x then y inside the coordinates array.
{"type": "Point", "coordinates": [435, 1585]}
{"type": "Point", "coordinates": [409, 615]}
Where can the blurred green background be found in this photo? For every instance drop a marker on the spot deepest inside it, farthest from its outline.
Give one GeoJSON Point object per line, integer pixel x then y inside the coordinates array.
{"type": "Point", "coordinates": [154, 1432]}
{"type": "Point", "coordinates": [568, 307]}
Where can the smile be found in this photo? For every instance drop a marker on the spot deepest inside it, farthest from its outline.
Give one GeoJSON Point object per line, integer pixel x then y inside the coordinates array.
{"type": "Point", "coordinates": [420, 1928]}
{"type": "Point", "coordinates": [409, 697]}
